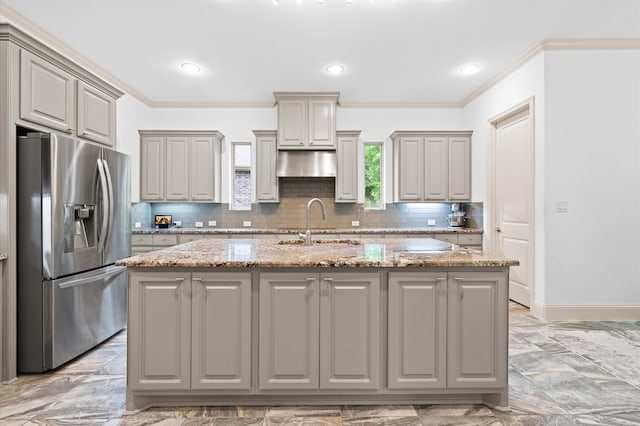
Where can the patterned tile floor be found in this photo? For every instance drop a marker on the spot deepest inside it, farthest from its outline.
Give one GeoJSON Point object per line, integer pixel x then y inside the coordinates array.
{"type": "Point", "coordinates": [563, 373]}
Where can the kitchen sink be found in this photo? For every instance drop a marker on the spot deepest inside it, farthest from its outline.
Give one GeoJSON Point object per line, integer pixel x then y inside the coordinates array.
{"type": "Point", "coordinates": [321, 241]}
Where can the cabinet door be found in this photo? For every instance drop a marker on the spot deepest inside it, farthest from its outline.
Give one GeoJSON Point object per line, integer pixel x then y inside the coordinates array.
{"type": "Point", "coordinates": [289, 331]}
{"type": "Point", "coordinates": [459, 168]}
{"type": "Point", "coordinates": [410, 167]}
{"type": "Point", "coordinates": [202, 168]}
{"type": "Point", "coordinates": [350, 331]}
{"type": "Point", "coordinates": [477, 330]}
{"type": "Point", "coordinates": [46, 93]}
{"type": "Point", "coordinates": [266, 175]}
{"type": "Point", "coordinates": [177, 163]}
{"type": "Point", "coordinates": [159, 332]}
{"type": "Point", "coordinates": [221, 331]}
{"type": "Point", "coordinates": [152, 169]}
{"type": "Point", "coordinates": [435, 168]}
{"type": "Point", "coordinates": [96, 115]}
{"type": "Point", "coordinates": [292, 124]}
{"type": "Point", "coordinates": [417, 330]}
{"type": "Point", "coordinates": [322, 124]}
{"type": "Point", "coordinates": [347, 173]}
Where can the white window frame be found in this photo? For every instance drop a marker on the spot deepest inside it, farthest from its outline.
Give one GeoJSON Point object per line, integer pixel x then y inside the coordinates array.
{"type": "Point", "coordinates": [232, 179]}
{"type": "Point", "coordinates": [383, 204]}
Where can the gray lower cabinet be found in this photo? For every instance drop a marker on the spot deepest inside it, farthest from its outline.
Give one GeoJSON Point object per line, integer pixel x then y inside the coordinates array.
{"type": "Point", "coordinates": [159, 331]}
{"type": "Point", "coordinates": [417, 330]}
{"type": "Point", "coordinates": [189, 331]}
{"type": "Point", "coordinates": [477, 330]}
{"type": "Point", "coordinates": [319, 331]}
{"type": "Point", "coordinates": [221, 331]}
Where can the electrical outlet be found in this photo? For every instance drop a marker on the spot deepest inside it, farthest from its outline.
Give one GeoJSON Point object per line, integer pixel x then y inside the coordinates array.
{"type": "Point", "coordinates": [246, 224]}
{"type": "Point", "coordinates": [212, 223]}
{"type": "Point", "coordinates": [355, 223]}
{"type": "Point", "coordinates": [199, 224]}
{"type": "Point", "coordinates": [562, 207]}
{"type": "Point", "coordinates": [431, 222]}
{"type": "Point", "coordinates": [137, 225]}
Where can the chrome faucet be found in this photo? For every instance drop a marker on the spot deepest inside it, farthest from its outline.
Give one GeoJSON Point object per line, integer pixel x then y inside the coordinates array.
{"type": "Point", "coordinates": [306, 236]}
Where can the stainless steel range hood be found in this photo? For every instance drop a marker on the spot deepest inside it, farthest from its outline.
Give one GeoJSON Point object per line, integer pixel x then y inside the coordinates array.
{"type": "Point", "coordinates": [307, 164]}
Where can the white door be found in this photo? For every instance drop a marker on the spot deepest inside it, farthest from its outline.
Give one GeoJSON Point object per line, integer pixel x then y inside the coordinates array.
{"type": "Point", "coordinates": [514, 201]}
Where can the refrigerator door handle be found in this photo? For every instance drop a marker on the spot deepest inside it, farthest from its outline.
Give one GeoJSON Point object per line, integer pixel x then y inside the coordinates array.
{"type": "Point", "coordinates": [91, 278]}
{"type": "Point", "coordinates": [111, 202]}
{"type": "Point", "coordinates": [105, 207]}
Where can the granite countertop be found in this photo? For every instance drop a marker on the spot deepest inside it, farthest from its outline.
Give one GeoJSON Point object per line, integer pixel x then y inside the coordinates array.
{"type": "Point", "coordinates": [430, 230]}
{"type": "Point", "coordinates": [273, 252]}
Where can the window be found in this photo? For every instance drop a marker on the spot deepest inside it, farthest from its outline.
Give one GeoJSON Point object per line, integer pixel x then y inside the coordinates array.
{"type": "Point", "coordinates": [241, 176]}
{"type": "Point", "coordinates": [373, 181]}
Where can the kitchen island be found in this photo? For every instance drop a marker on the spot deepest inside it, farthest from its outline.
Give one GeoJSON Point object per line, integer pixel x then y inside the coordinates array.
{"type": "Point", "coordinates": [268, 321]}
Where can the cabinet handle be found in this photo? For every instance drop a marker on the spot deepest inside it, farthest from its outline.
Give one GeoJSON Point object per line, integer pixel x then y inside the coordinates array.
{"type": "Point", "coordinates": [180, 279]}
{"type": "Point", "coordinates": [196, 279]}
{"type": "Point", "coordinates": [311, 278]}
{"type": "Point", "coordinates": [328, 279]}
{"type": "Point", "coordinates": [461, 292]}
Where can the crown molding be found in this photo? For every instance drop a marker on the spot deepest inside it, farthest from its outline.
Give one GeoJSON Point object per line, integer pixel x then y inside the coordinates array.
{"type": "Point", "coordinates": [554, 44]}
{"type": "Point", "coordinates": [188, 133]}
{"type": "Point", "coordinates": [400, 104]}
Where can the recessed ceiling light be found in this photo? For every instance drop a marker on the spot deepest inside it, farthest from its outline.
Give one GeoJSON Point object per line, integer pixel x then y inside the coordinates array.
{"type": "Point", "coordinates": [335, 69]}
{"type": "Point", "coordinates": [275, 2]}
{"type": "Point", "coordinates": [469, 69]}
{"type": "Point", "coordinates": [190, 68]}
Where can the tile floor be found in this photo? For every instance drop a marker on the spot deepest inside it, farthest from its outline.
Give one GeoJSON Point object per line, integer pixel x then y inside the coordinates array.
{"type": "Point", "coordinates": [563, 373]}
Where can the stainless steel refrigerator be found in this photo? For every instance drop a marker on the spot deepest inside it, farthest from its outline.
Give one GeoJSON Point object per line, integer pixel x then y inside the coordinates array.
{"type": "Point", "coordinates": [73, 224]}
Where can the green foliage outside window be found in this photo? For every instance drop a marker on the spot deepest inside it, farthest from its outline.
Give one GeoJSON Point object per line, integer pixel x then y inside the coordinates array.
{"type": "Point", "coordinates": [372, 176]}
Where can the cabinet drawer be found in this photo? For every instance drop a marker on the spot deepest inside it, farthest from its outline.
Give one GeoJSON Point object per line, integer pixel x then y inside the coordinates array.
{"type": "Point", "coordinates": [449, 238]}
{"type": "Point", "coordinates": [165, 240]}
{"type": "Point", "coordinates": [141, 240]}
{"type": "Point", "coordinates": [186, 238]}
{"type": "Point", "coordinates": [470, 239]}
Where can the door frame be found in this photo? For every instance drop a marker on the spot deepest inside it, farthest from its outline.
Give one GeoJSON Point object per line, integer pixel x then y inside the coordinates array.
{"type": "Point", "coordinates": [527, 106]}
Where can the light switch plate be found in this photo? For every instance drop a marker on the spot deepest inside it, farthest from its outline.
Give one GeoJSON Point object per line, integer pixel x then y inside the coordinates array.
{"type": "Point", "coordinates": [212, 223]}
{"type": "Point", "coordinates": [199, 224]}
{"type": "Point", "coordinates": [431, 222]}
{"type": "Point", "coordinates": [562, 207]}
{"type": "Point", "coordinates": [137, 225]}
{"type": "Point", "coordinates": [355, 223]}
{"type": "Point", "coordinates": [246, 223]}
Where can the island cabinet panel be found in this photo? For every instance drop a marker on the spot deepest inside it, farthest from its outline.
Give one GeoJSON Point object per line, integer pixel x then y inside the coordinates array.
{"type": "Point", "coordinates": [477, 330]}
{"type": "Point", "coordinates": [289, 331]}
{"type": "Point", "coordinates": [221, 331]}
{"type": "Point", "coordinates": [159, 331]}
{"type": "Point", "coordinates": [47, 93]}
{"type": "Point", "coordinates": [417, 330]}
{"type": "Point", "coordinates": [349, 331]}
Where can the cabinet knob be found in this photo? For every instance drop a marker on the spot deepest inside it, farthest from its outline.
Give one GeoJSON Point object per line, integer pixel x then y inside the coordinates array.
{"type": "Point", "coordinates": [498, 230]}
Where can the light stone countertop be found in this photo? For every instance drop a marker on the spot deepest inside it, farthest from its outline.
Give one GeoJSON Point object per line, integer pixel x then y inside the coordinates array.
{"type": "Point", "coordinates": [284, 231]}
{"type": "Point", "coordinates": [273, 253]}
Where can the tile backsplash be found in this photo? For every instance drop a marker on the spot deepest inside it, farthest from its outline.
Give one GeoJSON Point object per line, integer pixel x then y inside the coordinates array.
{"type": "Point", "coordinates": [290, 212]}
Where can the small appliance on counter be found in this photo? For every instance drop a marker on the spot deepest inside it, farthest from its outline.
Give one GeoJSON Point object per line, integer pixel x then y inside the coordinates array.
{"type": "Point", "coordinates": [163, 220]}
{"type": "Point", "coordinates": [457, 219]}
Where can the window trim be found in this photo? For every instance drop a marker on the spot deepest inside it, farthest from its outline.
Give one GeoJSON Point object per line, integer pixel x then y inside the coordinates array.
{"type": "Point", "coordinates": [383, 204]}
{"type": "Point", "coordinates": [232, 179]}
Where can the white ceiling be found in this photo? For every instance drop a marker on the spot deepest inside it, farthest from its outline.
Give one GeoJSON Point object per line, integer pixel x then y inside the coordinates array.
{"type": "Point", "coordinates": [394, 51]}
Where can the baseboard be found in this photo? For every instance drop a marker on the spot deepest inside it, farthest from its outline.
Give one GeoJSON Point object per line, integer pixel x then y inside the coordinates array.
{"type": "Point", "coordinates": [586, 312]}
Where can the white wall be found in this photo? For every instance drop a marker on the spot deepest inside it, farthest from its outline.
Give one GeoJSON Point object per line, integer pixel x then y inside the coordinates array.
{"type": "Point", "coordinates": [592, 160]}
{"type": "Point", "coordinates": [525, 82]}
{"type": "Point", "coordinates": [131, 116]}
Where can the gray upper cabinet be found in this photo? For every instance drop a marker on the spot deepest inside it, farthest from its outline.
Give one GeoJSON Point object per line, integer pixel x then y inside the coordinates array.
{"type": "Point", "coordinates": [266, 157]}
{"type": "Point", "coordinates": [306, 120]}
{"type": "Point", "coordinates": [350, 331]}
{"type": "Point", "coordinates": [477, 330]}
{"type": "Point", "coordinates": [159, 331]}
{"type": "Point", "coordinates": [289, 331]}
{"type": "Point", "coordinates": [221, 331]}
{"type": "Point", "coordinates": [347, 172]}
{"type": "Point", "coordinates": [417, 333]}
{"type": "Point", "coordinates": [47, 93]}
{"type": "Point", "coordinates": [96, 115]}
{"type": "Point", "coordinates": [57, 99]}
{"type": "Point", "coordinates": [178, 166]}
{"type": "Point", "coordinates": [432, 166]}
